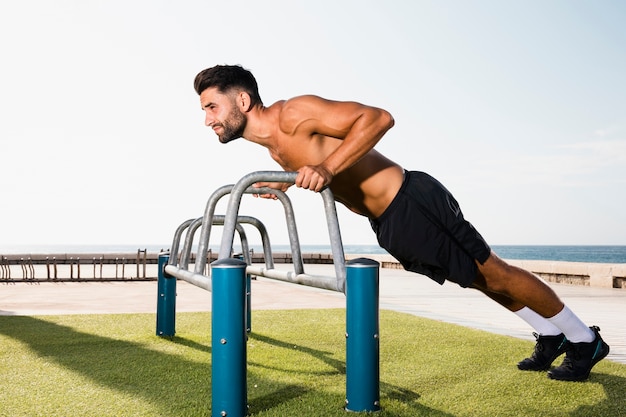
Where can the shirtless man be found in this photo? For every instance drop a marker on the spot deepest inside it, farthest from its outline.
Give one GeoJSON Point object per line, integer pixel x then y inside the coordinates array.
{"type": "Point", "coordinates": [331, 143]}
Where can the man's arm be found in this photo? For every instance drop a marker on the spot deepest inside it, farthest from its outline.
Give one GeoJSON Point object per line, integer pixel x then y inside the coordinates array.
{"type": "Point", "coordinates": [360, 127]}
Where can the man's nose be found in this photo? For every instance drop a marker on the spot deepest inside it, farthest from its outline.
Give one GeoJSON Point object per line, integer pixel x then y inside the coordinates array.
{"type": "Point", "coordinates": [208, 120]}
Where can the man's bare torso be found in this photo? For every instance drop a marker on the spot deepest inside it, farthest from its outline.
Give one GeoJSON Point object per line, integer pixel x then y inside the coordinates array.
{"type": "Point", "coordinates": [367, 187]}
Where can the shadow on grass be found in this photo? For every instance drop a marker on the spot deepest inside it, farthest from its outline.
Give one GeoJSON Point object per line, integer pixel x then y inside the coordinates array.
{"type": "Point", "coordinates": [269, 401]}
{"type": "Point", "coordinates": [189, 343]}
{"type": "Point", "coordinates": [120, 365]}
{"type": "Point", "coordinates": [387, 391]}
{"type": "Point", "coordinates": [615, 402]}
{"type": "Point", "coordinates": [323, 356]}
{"type": "Point", "coordinates": [178, 386]}
{"type": "Point", "coordinates": [173, 384]}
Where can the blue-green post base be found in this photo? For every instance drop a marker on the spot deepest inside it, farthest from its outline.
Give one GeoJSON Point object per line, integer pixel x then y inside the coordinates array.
{"type": "Point", "coordinates": [228, 338]}
{"type": "Point", "coordinates": [362, 336]}
{"type": "Point", "coordinates": [166, 301]}
{"type": "Point", "coordinates": [248, 303]}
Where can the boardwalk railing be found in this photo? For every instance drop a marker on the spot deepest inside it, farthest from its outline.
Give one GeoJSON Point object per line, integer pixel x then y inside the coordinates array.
{"type": "Point", "coordinates": [79, 267]}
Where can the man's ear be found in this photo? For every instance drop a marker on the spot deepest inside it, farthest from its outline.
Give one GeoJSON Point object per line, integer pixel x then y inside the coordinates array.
{"type": "Point", "coordinates": [244, 102]}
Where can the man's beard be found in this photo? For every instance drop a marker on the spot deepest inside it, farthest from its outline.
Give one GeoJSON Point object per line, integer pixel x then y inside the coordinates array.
{"type": "Point", "coordinates": [233, 126]}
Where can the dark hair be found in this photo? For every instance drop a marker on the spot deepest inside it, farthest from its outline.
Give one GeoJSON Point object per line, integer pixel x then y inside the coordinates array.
{"type": "Point", "coordinates": [227, 77]}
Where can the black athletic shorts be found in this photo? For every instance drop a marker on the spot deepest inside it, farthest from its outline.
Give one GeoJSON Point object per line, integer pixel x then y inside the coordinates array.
{"type": "Point", "coordinates": [424, 229]}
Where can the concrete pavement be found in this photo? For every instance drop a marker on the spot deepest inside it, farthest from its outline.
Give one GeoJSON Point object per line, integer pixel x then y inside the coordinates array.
{"type": "Point", "coordinates": [399, 290]}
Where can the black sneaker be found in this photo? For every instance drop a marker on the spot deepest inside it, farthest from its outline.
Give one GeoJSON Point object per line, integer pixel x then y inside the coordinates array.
{"type": "Point", "coordinates": [580, 358]}
{"type": "Point", "coordinates": [547, 349]}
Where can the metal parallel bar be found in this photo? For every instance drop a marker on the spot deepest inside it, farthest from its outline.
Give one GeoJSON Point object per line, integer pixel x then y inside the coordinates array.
{"type": "Point", "coordinates": [203, 281]}
{"type": "Point", "coordinates": [192, 225]}
{"type": "Point", "coordinates": [334, 233]}
{"type": "Point", "coordinates": [218, 220]}
{"type": "Point", "coordinates": [244, 186]}
{"type": "Point", "coordinates": [211, 219]}
{"type": "Point", "coordinates": [235, 202]}
{"type": "Point", "coordinates": [245, 248]}
{"type": "Point", "coordinates": [231, 222]}
{"type": "Point", "coordinates": [191, 230]}
{"type": "Point", "coordinates": [323, 282]}
{"type": "Point", "coordinates": [290, 218]}
{"type": "Point", "coordinates": [267, 247]}
{"type": "Point", "coordinates": [176, 241]}
{"type": "Point", "coordinates": [288, 177]}
{"type": "Point", "coordinates": [185, 253]}
{"type": "Point", "coordinates": [205, 235]}
{"type": "Point", "coordinates": [294, 240]}
{"type": "Point", "coordinates": [198, 280]}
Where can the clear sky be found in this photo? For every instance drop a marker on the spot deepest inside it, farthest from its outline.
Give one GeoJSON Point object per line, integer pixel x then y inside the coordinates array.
{"type": "Point", "coordinates": [519, 108]}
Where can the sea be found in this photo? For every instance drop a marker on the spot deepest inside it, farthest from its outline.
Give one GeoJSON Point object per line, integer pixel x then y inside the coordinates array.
{"type": "Point", "coordinates": [571, 253]}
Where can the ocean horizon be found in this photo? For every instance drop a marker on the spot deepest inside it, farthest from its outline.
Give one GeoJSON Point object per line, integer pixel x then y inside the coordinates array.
{"type": "Point", "coordinates": [569, 253]}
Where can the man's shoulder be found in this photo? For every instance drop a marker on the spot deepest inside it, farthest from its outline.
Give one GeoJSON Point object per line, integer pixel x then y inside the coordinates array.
{"type": "Point", "coordinates": [298, 102]}
{"type": "Point", "coordinates": [292, 112]}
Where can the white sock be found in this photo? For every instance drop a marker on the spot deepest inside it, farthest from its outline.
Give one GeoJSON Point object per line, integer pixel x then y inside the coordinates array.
{"type": "Point", "coordinates": [541, 324]}
{"type": "Point", "coordinates": [572, 327]}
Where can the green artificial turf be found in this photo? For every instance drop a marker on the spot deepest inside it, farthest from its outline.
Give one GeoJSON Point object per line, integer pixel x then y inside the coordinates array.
{"type": "Point", "coordinates": [115, 365]}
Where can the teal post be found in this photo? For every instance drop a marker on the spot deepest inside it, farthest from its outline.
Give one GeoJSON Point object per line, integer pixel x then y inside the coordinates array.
{"type": "Point", "coordinates": [248, 303]}
{"type": "Point", "coordinates": [228, 338]}
{"type": "Point", "coordinates": [166, 301]}
{"type": "Point", "coordinates": [248, 297]}
{"type": "Point", "coordinates": [362, 336]}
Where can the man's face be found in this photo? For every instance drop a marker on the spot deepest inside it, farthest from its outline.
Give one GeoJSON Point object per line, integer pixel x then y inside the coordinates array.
{"type": "Point", "coordinates": [222, 114]}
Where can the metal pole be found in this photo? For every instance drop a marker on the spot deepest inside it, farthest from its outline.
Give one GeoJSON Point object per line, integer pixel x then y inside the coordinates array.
{"type": "Point", "coordinates": [235, 201]}
{"type": "Point", "coordinates": [166, 301]}
{"type": "Point", "coordinates": [248, 303]}
{"type": "Point", "coordinates": [246, 254]}
{"type": "Point", "coordinates": [228, 338]}
{"type": "Point", "coordinates": [362, 336]}
{"type": "Point", "coordinates": [334, 233]}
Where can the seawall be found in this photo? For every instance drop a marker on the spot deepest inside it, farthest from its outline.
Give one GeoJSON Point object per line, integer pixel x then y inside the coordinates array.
{"type": "Point", "coordinates": [575, 273]}
{"type": "Point", "coordinates": [142, 265]}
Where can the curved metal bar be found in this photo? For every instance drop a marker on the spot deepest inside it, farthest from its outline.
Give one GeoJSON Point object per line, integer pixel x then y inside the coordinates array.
{"type": "Point", "coordinates": [244, 244]}
{"type": "Point", "coordinates": [208, 221]}
{"type": "Point", "coordinates": [198, 280]}
{"type": "Point", "coordinates": [242, 186]}
{"type": "Point", "coordinates": [176, 241]}
{"type": "Point", "coordinates": [191, 230]}
{"type": "Point", "coordinates": [205, 235]}
{"type": "Point", "coordinates": [235, 201]}
{"type": "Point", "coordinates": [218, 220]}
{"type": "Point", "coordinates": [265, 239]}
{"type": "Point", "coordinates": [186, 251]}
{"type": "Point", "coordinates": [334, 233]}
{"type": "Point", "coordinates": [324, 282]}
{"type": "Point", "coordinates": [231, 222]}
{"type": "Point", "coordinates": [290, 218]}
{"type": "Point", "coordinates": [271, 176]}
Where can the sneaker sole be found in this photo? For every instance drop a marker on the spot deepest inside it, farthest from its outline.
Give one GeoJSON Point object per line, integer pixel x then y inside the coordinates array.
{"type": "Point", "coordinates": [597, 359]}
